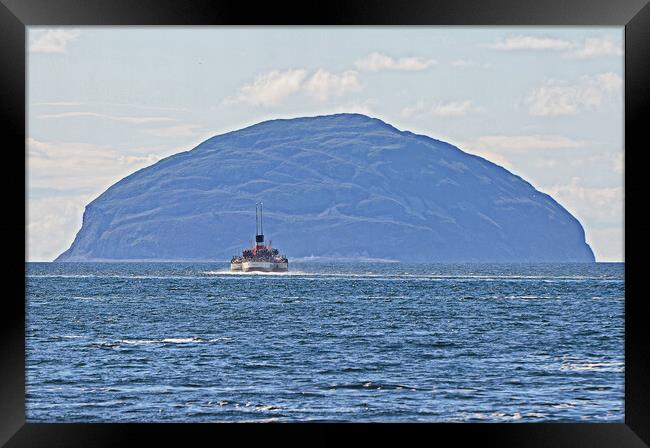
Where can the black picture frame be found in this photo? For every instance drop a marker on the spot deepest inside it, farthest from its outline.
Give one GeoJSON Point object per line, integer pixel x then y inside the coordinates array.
{"type": "Point", "coordinates": [15, 15]}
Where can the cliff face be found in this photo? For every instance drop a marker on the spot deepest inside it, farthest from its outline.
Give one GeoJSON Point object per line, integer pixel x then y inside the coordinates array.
{"type": "Point", "coordinates": [333, 186]}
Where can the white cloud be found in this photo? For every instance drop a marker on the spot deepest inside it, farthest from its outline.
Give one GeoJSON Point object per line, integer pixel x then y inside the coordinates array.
{"type": "Point", "coordinates": [524, 142]}
{"type": "Point", "coordinates": [378, 61]}
{"type": "Point", "coordinates": [500, 148]}
{"type": "Point", "coordinates": [594, 47]}
{"type": "Point", "coordinates": [591, 47]}
{"type": "Point", "coordinates": [65, 166]}
{"type": "Point", "coordinates": [131, 120]}
{"type": "Point", "coordinates": [556, 97]}
{"type": "Point", "coordinates": [270, 88]}
{"type": "Point", "coordinates": [453, 109]}
{"type": "Point", "coordinates": [182, 130]}
{"type": "Point", "coordinates": [62, 178]}
{"type": "Point", "coordinates": [602, 207]}
{"type": "Point", "coordinates": [53, 40]}
{"type": "Point", "coordinates": [105, 103]}
{"type": "Point", "coordinates": [595, 204]}
{"type": "Point", "coordinates": [52, 223]}
{"type": "Point", "coordinates": [608, 244]}
{"type": "Point", "coordinates": [531, 43]}
{"type": "Point", "coordinates": [441, 109]}
{"type": "Point", "coordinates": [323, 84]}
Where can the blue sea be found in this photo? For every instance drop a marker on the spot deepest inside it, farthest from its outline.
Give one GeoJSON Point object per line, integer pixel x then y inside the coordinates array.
{"type": "Point", "coordinates": [387, 342]}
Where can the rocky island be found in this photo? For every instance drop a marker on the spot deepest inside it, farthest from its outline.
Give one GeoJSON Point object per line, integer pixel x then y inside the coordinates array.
{"type": "Point", "coordinates": [344, 186]}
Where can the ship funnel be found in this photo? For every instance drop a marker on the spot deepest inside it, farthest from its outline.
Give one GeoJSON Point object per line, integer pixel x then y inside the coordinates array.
{"type": "Point", "coordinates": [259, 230]}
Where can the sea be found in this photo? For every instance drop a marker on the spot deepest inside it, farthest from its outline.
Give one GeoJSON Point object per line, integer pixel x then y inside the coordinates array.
{"type": "Point", "coordinates": [326, 342]}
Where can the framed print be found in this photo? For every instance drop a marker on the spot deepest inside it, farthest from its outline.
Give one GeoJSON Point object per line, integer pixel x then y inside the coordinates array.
{"type": "Point", "coordinates": [367, 213]}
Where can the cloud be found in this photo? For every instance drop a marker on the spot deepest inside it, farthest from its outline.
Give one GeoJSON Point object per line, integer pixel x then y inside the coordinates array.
{"type": "Point", "coordinates": [500, 149]}
{"type": "Point", "coordinates": [62, 177]}
{"type": "Point", "coordinates": [531, 43]}
{"type": "Point", "coordinates": [270, 88]}
{"type": "Point", "coordinates": [453, 109]}
{"type": "Point", "coordinates": [131, 120]}
{"type": "Point", "coordinates": [59, 103]}
{"type": "Point", "coordinates": [105, 103]}
{"type": "Point", "coordinates": [52, 223]}
{"type": "Point", "coordinates": [556, 97]}
{"type": "Point", "coordinates": [66, 165]}
{"type": "Point", "coordinates": [608, 243]}
{"type": "Point", "coordinates": [324, 84]}
{"type": "Point", "coordinates": [441, 109]}
{"type": "Point", "coordinates": [519, 143]}
{"type": "Point", "coordinates": [591, 47]}
{"type": "Point", "coordinates": [378, 61]}
{"type": "Point", "coordinates": [602, 207]}
{"type": "Point", "coordinates": [594, 47]}
{"type": "Point", "coordinates": [182, 130]}
{"type": "Point", "coordinates": [53, 40]}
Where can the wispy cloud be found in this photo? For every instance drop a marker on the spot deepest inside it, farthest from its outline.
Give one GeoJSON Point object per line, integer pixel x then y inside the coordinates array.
{"type": "Point", "coordinates": [454, 109]}
{"type": "Point", "coordinates": [52, 224]}
{"type": "Point", "coordinates": [94, 104]}
{"type": "Point", "coordinates": [65, 165]}
{"type": "Point", "coordinates": [59, 103]}
{"type": "Point", "coordinates": [440, 109]}
{"type": "Point", "coordinates": [182, 130]}
{"type": "Point", "coordinates": [500, 149]}
{"type": "Point", "coordinates": [131, 120]}
{"type": "Point", "coordinates": [379, 61]}
{"type": "Point", "coordinates": [557, 97]}
{"type": "Point", "coordinates": [595, 47]}
{"type": "Point", "coordinates": [531, 43]}
{"type": "Point", "coordinates": [603, 205]}
{"type": "Point", "coordinates": [53, 40]}
{"type": "Point", "coordinates": [524, 143]}
{"type": "Point", "coordinates": [270, 89]}
{"type": "Point", "coordinates": [324, 84]}
{"type": "Point", "coordinates": [65, 176]}
{"type": "Point", "coordinates": [591, 47]}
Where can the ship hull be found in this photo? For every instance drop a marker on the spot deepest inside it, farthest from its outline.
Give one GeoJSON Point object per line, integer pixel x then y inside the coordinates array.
{"type": "Point", "coordinates": [235, 266]}
{"type": "Point", "coordinates": [264, 266]}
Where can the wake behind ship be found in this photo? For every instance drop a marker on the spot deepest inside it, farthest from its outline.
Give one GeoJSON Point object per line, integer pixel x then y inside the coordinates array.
{"type": "Point", "coordinates": [260, 257]}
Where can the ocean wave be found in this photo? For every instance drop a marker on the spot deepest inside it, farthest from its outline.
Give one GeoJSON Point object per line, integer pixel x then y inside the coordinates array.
{"type": "Point", "coordinates": [591, 365]}
{"type": "Point", "coordinates": [185, 340]}
{"type": "Point", "coordinates": [255, 273]}
{"type": "Point", "coordinates": [382, 276]}
{"type": "Point", "coordinates": [369, 385]}
{"type": "Point", "coordinates": [307, 275]}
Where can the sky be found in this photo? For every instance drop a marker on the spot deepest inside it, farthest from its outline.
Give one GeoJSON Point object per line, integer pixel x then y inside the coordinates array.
{"type": "Point", "coordinates": [546, 103]}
